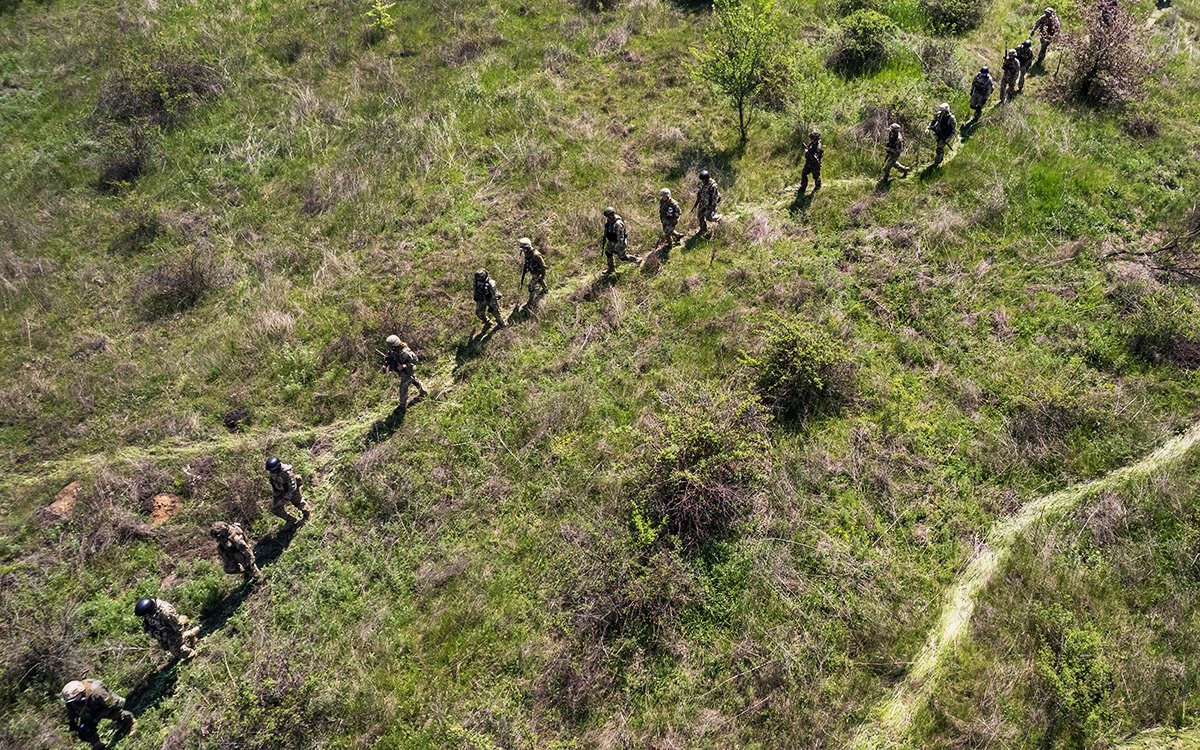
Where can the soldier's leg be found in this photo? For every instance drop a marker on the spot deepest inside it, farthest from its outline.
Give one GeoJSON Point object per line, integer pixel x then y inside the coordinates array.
{"type": "Point", "coordinates": [703, 217]}
{"type": "Point", "coordinates": [941, 150]}
{"type": "Point", "coordinates": [494, 307]}
{"type": "Point", "coordinates": [542, 284]}
{"type": "Point", "coordinates": [804, 181]}
{"type": "Point", "coordinates": [246, 561]}
{"type": "Point", "coordinates": [481, 311]}
{"type": "Point", "coordinates": [87, 733]}
{"type": "Point", "coordinates": [1021, 79]}
{"type": "Point", "coordinates": [301, 504]}
{"type": "Point", "coordinates": [405, 382]}
{"type": "Point", "coordinates": [817, 179]}
{"type": "Point", "coordinates": [887, 168]}
{"type": "Point", "coordinates": [1042, 53]}
{"type": "Point", "coordinates": [608, 255]}
{"type": "Point", "coordinates": [231, 565]}
{"type": "Point", "coordinates": [420, 386]}
{"type": "Point", "coordinates": [279, 508]}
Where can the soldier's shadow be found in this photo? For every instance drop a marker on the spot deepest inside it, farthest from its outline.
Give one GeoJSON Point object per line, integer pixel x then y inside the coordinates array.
{"type": "Point", "coordinates": [382, 429]}
{"type": "Point", "coordinates": [967, 129]}
{"type": "Point", "coordinates": [801, 203]}
{"type": "Point", "coordinates": [883, 187]}
{"type": "Point", "coordinates": [474, 346]}
{"type": "Point", "coordinates": [212, 620]}
{"type": "Point", "coordinates": [720, 162]}
{"type": "Point", "coordinates": [153, 689]}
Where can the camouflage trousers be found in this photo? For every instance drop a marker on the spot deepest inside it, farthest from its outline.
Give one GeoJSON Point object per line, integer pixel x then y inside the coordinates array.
{"type": "Point", "coordinates": [670, 230]}
{"type": "Point", "coordinates": [537, 284]}
{"type": "Point", "coordinates": [815, 172]}
{"type": "Point", "coordinates": [116, 712]}
{"type": "Point", "coordinates": [978, 103]}
{"type": "Point", "coordinates": [406, 381]}
{"type": "Point", "coordinates": [181, 643]}
{"type": "Point", "coordinates": [1021, 77]}
{"type": "Point", "coordinates": [279, 507]}
{"type": "Point", "coordinates": [239, 561]}
{"type": "Point", "coordinates": [483, 307]}
{"type": "Point", "coordinates": [1008, 88]}
{"type": "Point", "coordinates": [613, 248]}
{"type": "Point", "coordinates": [941, 150]}
{"type": "Point", "coordinates": [706, 214]}
{"type": "Point", "coordinates": [893, 161]}
{"type": "Point", "coordinates": [1045, 46]}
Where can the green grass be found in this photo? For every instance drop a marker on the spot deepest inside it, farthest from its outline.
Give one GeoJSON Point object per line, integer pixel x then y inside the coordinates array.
{"type": "Point", "coordinates": [474, 576]}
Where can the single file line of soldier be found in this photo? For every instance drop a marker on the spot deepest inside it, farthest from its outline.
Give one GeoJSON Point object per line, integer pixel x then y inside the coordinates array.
{"type": "Point", "coordinates": [88, 701]}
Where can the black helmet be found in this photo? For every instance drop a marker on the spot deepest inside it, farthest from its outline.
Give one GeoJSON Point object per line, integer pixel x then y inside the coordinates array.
{"type": "Point", "coordinates": [704, 175]}
{"type": "Point", "coordinates": [984, 69]}
{"type": "Point", "coordinates": [610, 211]}
{"type": "Point", "coordinates": [815, 135]}
{"type": "Point", "coordinates": [1027, 43]}
{"type": "Point", "coordinates": [273, 464]}
{"type": "Point", "coordinates": [144, 607]}
{"type": "Point", "coordinates": [480, 275]}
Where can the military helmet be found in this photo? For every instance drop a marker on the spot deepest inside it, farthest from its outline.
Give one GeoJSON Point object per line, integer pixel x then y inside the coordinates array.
{"type": "Point", "coordinates": [394, 340]}
{"type": "Point", "coordinates": [984, 70]}
{"type": "Point", "coordinates": [274, 464]}
{"type": "Point", "coordinates": [815, 135]}
{"type": "Point", "coordinates": [525, 242]}
{"type": "Point", "coordinates": [219, 529]}
{"type": "Point", "coordinates": [1049, 11]}
{"type": "Point", "coordinates": [73, 691]}
{"type": "Point", "coordinates": [480, 274]}
{"type": "Point", "coordinates": [895, 126]}
{"type": "Point", "coordinates": [665, 193]}
{"type": "Point", "coordinates": [943, 107]}
{"type": "Point", "coordinates": [144, 607]}
{"type": "Point", "coordinates": [610, 211]}
{"type": "Point", "coordinates": [1012, 53]}
{"type": "Point", "coordinates": [704, 175]}
{"type": "Point", "coordinates": [1027, 43]}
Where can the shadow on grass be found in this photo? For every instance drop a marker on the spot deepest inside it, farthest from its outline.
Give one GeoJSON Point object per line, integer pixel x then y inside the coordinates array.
{"type": "Point", "coordinates": [152, 690]}
{"type": "Point", "coordinates": [801, 203]}
{"type": "Point", "coordinates": [883, 187]}
{"type": "Point", "coordinates": [719, 162]}
{"type": "Point", "coordinates": [968, 128]}
{"type": "Point", "coordinates": [476, 345]}
{"type": "Point", "coordinates": [382, 429]}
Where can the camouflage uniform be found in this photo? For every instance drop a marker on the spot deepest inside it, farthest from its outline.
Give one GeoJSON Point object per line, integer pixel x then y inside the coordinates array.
{"type": "Point", "coordinates": [708, 195]}
{"type": "Point", "coordinates": [813, 153]}
{"type": "Point", "coordinates": [487, 299]}
{"type": "Point", "coordinates": [981, 89]}
{"type": "Point", "coordinates": [1025, 58]}
{"type": "Point", "coordinates": [614, 242]}
{"type": "Point", "coordinates": [894, 147]}
{"type": "Point", "coordinates": [943, 126]}
{"type": "Point", "coordinates": [535, 266]}
{"type": "Point", "coordinates": [285, 488]}
{"type": "Point", "coordinates": [669, 214]}
{"type": "Point", "coordinates": [233, 547]}
{"type": "Point", "coordinates": [1008, 81]}
{"type": "Point", "coordinates": [1047, 27]}
{"type": "Point", "coordinates": [97, 702]}
{"type": "Point", "coordinates": [402, 360]}
{"type": "Point", "coordinates": [166, 626]}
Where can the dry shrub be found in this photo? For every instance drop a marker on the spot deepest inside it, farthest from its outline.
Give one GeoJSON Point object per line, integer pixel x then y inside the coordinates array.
{"type": "Point", "coordinates": [280, 704]}
{"type": "Point", "coordinates": [470, 48]}
{"type": "Point", "coordinates": [179, 283]}
{"type": "Point", "coordinates": [141, 223]}
{"type": "Point", "coordinates": [43, 650]}
{"type": "Point", "coordinates": [159, 85]}
{"type": "Point", "coordinates": [125, 150]}
{"type": "Point", "coordinates": [940, 63]}
{"type": "Point", "coordinates": [1109, 54]}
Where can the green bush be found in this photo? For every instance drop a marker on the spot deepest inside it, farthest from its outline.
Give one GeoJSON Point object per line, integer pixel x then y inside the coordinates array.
{"type": "Point", "coordinates": [862, 43]}
{"type": "Point", "coordinates": [1166, 329]}
{"type": "Point", "coordinates": [159, 85]}
{"type": "Point", "coordinates": [700, 482]}
{"type": "Point", "coordinates": [955, 16]}
{"type": "Point", "coordinates": [1076, 675]}
{"type": "Point", "coordinates": [800, 370]}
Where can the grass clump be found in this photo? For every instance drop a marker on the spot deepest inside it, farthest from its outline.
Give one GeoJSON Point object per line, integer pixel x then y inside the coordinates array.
{"type": "Point", "coordinates": [179, 283]}
{"type": "Point", "coordinates": [1076, 675]}
{"type": "Point", "coordinates": [800, 370]}
{"type": "Point", "coordinates": [159, 85]}
{"type": "Point", "coordinates": [863, 43]}
{"type": "Point", "coordinates": [1166, 329]}
{"type": "Point", "coordinates": [955, 16]}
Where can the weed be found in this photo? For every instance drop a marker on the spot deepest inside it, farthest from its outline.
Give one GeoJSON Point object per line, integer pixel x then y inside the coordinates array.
{"type": "Point", "coordinates": [955, 16]}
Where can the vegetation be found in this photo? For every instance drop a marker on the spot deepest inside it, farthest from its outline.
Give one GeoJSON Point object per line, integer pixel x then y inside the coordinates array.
{"type": "Point", "coordinates": [722, 499]}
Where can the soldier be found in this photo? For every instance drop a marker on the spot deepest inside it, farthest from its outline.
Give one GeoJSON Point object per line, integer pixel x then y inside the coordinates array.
{"type": "Point", "coordinates": [535, 266]}
{"type": "Point", "coordinates": [401, 360]}
{"type": "Point", "coordinates": [233, 547]}
{"type": "Point", "coordinates": [812, 162]}
{"type": "Point", "coordinates": [487, 298]}
{"type": "Point", "coordinates": [615, 238]}
{"type": "Point", "coordinates": [285, 488]}
{"type": "Point", "coordinates": [669, 213]}
{"type": "Point", "coordinates": [88, 701]}
{"type": "Point", "coordinates": [1008, 81]}
{"type": "Point", "coordinates": [981, 89]}
{"type": "Point", "coordinates": [943, 126]}
{"type": "Point", "coordinates": [1047, 27]}
{"type": "Point", "coordinates": [1025, 57]}
{"type": "Point", "coordinates": [894, 147]}
{"type": "Point", "coordinates": [708, 195]}
{"type": "Point", "coordinates": [162, 623]}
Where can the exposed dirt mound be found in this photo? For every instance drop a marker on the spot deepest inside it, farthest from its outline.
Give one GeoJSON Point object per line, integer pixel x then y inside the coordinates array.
{"type": "Point", "coordinates": [64, 502]}
{"type": "Point", "coordinates": [162, 506]}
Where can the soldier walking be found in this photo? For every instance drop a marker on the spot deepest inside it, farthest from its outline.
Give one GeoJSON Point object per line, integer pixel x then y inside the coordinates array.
{"type": "Point", "coordinates": [981, 89]}
{"type": "Point", "coordinates": [708, 195]}
{"type": "Point", "coordinates": [402, 361]}
{"type": "Point", "coordinates": [1025, 58]}
{"type": "Point", "coordinates": [487, 299]}
{"type": "Point", "coordinates": [535, 266]}
{"type": "Point", "coordinates": [669, 214]}
{"type": "Point", "coordinates": [233, 547]}
{"type": "Point", "coordinates": [162, 623]}
{"type": "Point", "coordinates": [893, 149]}
{"type": "Point", "coordinates": [615, 239]}
{"type": "Point", "coordinates": [943, 126]}
{"type": "Point", "coordinates": [88, 702]}
{"type": "Point", "coordinates": [1047, 28]}
{"type": "Point", "coordinates": [285, 489]}
{"type": "Point", "coordinates": [1008, 81]}
{"type": "Point", "coordinates": [812, 162]}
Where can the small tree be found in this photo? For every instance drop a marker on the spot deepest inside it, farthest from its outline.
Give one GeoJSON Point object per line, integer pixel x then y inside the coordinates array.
{"type": "Point", "coordinates": [1108, 55]}
{"type": "Point", "coordinates": [743, 55]}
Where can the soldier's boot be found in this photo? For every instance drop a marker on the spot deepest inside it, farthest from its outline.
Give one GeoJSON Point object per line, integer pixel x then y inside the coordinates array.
{"type": "Point", "coordinates": [128, 723]}
{"type": "Point", "coordinates": [803, 184]}
{"type": "Point", "coordinates": [703, 226]}
{"type": "Point", "coordinates": [611, 267]}
{"type": "Point", "coordinates": [817, 186]}
{"type": "Point", "coordinates": [499, 320]}
{"type": "Point", "coordinates": [281, 512]}
{"type": "Point", "coordinates": [305, 511]}
{"type": "Point", "coordinates": [252, 572]}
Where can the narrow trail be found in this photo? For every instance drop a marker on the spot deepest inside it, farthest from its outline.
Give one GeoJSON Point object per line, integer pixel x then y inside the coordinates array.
{"type": "Point", "coordinates": [891, 720]}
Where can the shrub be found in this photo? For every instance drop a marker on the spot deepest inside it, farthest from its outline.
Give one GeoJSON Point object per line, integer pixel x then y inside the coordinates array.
{"type": "Point", "coordinates": [940, 63]}
{"type": "Point", "coordinates": [124, 154]}
{"type": "Point", "coordinates": [862, 43]}
{"type": "Point", "coordinates": [699, 484]}
{"type": "Point", "coordinates": [1076, 676]}
{"type": "Point", "coordinates": [1108, 55]}
{"type": "Point", "coordinates": [1166, 328]}
{"type": "Point", "coordinates": [159, 85]}
{"type": "Point", "coordinates": [800, 370]}
{"type": "Point", "coordinates": [141, 224]}
{"type": "Point", "coordinates": [955, 16]}
{"type": "Point", "coordinates": [177, 284]}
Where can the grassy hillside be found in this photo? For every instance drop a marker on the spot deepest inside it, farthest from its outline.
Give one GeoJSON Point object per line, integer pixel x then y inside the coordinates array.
{"type": "Point", "coordinates": [212, 213]}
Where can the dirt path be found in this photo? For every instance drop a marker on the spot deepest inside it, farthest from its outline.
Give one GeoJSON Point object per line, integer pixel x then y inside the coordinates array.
{"type": "Point", "coordinates": [890, 722]}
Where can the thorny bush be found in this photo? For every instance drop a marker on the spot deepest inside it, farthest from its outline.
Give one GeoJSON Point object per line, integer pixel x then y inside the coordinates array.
{"type": "Point", "coordinates": [800, 370]}
{"type": "Point", "coordinates": [159, 85]}
{"type": "Point", "coordinates": [1108, 55]}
